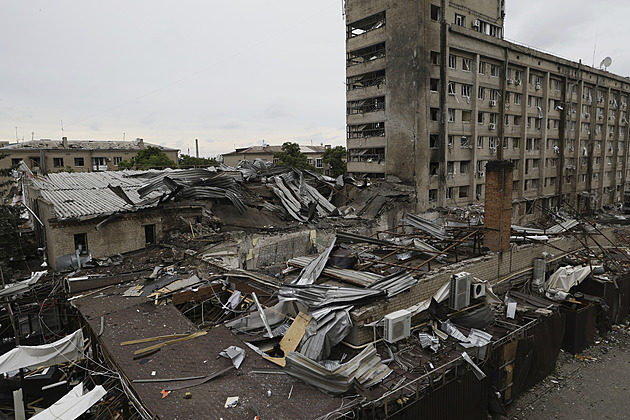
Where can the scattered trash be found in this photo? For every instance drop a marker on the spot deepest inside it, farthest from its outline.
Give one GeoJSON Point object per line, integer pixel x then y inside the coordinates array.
{"type": "Point", "coordinates": [231, 402]}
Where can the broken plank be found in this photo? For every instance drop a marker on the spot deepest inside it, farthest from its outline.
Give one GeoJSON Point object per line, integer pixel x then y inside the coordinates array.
{"type": "Point", "coordinates": [159, 337]}
{"type": "Point", "coordinates": [177, 340]}
{"type": "Point", "coordinates": [291, 339]}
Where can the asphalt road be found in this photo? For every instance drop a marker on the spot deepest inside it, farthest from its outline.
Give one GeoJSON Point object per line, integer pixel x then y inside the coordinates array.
{"type": "Point", "coordinates": [592, 385]}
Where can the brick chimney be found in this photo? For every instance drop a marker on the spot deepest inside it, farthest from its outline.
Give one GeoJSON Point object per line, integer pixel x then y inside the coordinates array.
{"type": "Point", "coordinates": [140, 143]}
{"type": "Point", "coordinates": [498, 206]}
{"type": "Point", "coordinates": [64, 142]}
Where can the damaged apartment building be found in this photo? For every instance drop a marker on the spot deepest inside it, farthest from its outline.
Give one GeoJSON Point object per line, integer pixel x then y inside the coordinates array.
{"type": "Point", "coordinates": [434, 92]}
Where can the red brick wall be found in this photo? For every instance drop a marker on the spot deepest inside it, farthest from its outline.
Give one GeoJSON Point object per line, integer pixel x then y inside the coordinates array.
{"type": "Point", "coordinates": [498, 205]}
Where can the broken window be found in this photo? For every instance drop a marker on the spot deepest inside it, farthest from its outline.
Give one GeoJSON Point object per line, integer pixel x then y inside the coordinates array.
{"type": "Point", "coordinates": [15, 161]}
{"type": "Point", "coordinates": [435, 58]}
{"type": "Point", "coordinates": [451, 115]}
{"type": "Point", "coordinates": [481, 93]}
{"type": "Point", "coordinates": [480, 117]}
{"type": "Point", "coordinates": [465, 142]}
{"type": "Point", "coordinates": [433, 195]}
{"type": "Point", "coordinates": [515, 142]}
{"type": "Point", "coordinates": [450, 169]}
{"type": "Point", "coordinates": [435, 114]}
{"type": "Point", "coordinates": [482, 67]}
{"type": "Point", "coordinates": [149, 235]}
{"type": "Point", "coordinates": [367, 54]}
{"type": "Point", "coordinates": [460, 20]}
{"type": "Point", "coordinates": [449, 192]}
{"type": "Point", "coordinates": [375, 154]}
{"type": "Point", "coordinates": [466, 64]}
{"type": "Point", "coordinates": [80, 243]}
{"type": "Point", "coordinates": [518, 98]}
{"type": "Point", "coordinates": [451, 88]}
{"type": "Point", "coordinates": [452, 62]}
{"type": "Point", "coordinates": [494, 70]}
{"type": "Point", "coordinates": [58, 162]}
{"type": "Point", "coordinates": [435, 12]}
{"type": "Point", "coordinates": [515, 185]}
{"type": "Point", "coordinates": [319, 163]}
{"type": "Point", "coordinates": [463, 191]}
{"type": "Point", "coordinates": [376, 129]}
{"type": "Point", "coordinates": [79, 161]}
{"type": "Point", "coordinates": [435, 85]}
{"type": "Point", "coordinates": [434, 141]}
{"type": "Point", "coordinates": [434, 167]}
{"type": "Point", "coordinates": [464, 167]}
{"type": "Point", "coordinates": [35, 162]}
{"type": "Point", "coordinates": [365, 25]}
{"type": "Point", "coordinates": [466, 89]}
{"type": "Point", "coordinates": [479, 142]}
{"type": "Point", "coordinates": [478, 191]}
{"type": "Point", "coordinates": [361, 81]}
{"type": "Point", "coordinates": [366, 105]}
{"type": "Point", "coordinates": [466, 116]}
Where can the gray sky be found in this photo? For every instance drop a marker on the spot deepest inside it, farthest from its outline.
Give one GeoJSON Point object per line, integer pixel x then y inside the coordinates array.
{"type": "Point", "coordinates": [228, 73]}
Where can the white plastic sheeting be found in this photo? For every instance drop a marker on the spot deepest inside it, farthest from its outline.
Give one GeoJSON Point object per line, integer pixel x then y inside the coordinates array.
{"type": "Point", "coordinates": [73, 404]}
{"type": "Point", "coordinates": [566, 277]}
{"type": "Point", "coordinates": [67, 349]}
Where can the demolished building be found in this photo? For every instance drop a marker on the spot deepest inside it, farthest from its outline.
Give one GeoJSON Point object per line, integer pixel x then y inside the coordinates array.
{"type": "Point", "coordinates": [323, 314]}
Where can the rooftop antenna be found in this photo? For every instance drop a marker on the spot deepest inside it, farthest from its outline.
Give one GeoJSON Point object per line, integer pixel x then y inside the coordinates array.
{"type": "Point", "coordinates": [606, 62]}
{"type": "Point", "coordinates": [17, 138]}
{"type": "Point", "coordinates": [123, 136]}
{"type": "Point", "coordinates": [32, 135]}
{"type": "Point", "coordinates": [61, 128]}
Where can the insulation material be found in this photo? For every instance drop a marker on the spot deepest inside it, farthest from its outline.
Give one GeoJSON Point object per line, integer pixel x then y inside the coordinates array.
{"type": "Point", "coordinates": [65, 350]}
{"type": "Point", "coordinates": [73, 404]}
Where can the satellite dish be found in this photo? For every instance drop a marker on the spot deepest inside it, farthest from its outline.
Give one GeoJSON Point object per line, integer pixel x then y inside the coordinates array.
{"type": "Point", "coordinates": [606, 62]}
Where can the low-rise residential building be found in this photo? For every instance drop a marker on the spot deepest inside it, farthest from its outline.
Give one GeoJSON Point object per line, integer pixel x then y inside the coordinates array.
{"type": "Point", "coordinates": [46, 155]}
{"type": "Point", "coordinates": [313, 153]}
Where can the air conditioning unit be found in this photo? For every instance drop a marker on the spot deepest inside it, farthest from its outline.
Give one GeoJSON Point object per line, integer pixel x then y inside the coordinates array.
{"type": "Point", "coordinates": [493, 103]}
{"type": "Point", "coordinates": [510, 81]}
{"type": "Point", "coordinates": [518, 82]}
{"type": "Point", "coordinates": [493, 150]}
{"type": "Point", "coordinates": [491, 126]}
{"type": "Point", "coordinates": [477, 290]}
{"type": "Point", "coordinates": [459, 296]}
{"type": "Point", "coordinates": [476, 23]}
{"type": "Point", "coordinates": [481, 174]}
{"type": "Point", "coordinates": [587, 115]}
{"type": "Point", "coordinates": [601, 117]}
{"type": "Point", "coordinates": [397, 326]}
{"type": "Point", "coordinates": [538, 86]}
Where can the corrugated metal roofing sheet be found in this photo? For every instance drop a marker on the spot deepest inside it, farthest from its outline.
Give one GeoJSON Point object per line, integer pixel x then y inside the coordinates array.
{"type": "Point", "coordinates": [81, 195]}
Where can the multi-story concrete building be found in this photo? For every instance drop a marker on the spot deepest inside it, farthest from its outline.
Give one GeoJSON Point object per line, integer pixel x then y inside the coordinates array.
{"type": "Point", "coordinates": [45, 156]}
{"type": "Point", "coordinates": [434, 92]}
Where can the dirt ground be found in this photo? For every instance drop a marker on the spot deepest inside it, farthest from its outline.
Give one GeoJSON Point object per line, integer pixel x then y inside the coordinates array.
{"type": "Point", "coordinates": [592, 385]}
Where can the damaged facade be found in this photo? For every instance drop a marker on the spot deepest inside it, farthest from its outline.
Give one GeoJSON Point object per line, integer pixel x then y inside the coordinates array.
{"type": "Point", "coordinates": [44, 156]}
{"type": "Point", "coordinates": [434, 92]}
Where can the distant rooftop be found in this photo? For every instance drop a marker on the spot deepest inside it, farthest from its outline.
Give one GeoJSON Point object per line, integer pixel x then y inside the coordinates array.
{"type": "Point", "coordinates": [264, 150]}
{"type": "Point", "coordinates": [48, 144]}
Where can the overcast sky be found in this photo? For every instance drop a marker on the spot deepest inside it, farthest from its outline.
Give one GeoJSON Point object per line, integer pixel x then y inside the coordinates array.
{"type": "Point", "coordinates": [229, 73]}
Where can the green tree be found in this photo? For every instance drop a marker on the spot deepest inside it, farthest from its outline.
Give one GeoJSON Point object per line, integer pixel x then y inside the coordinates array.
{"type": "Point", "coordinates": [291, 155]}
{"type": "Point", "coordinates": [336, 158]}
{"type": "Point", "coordinates": [186, 161]}
{"type": "Point", "coordinates": [149, 158]}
